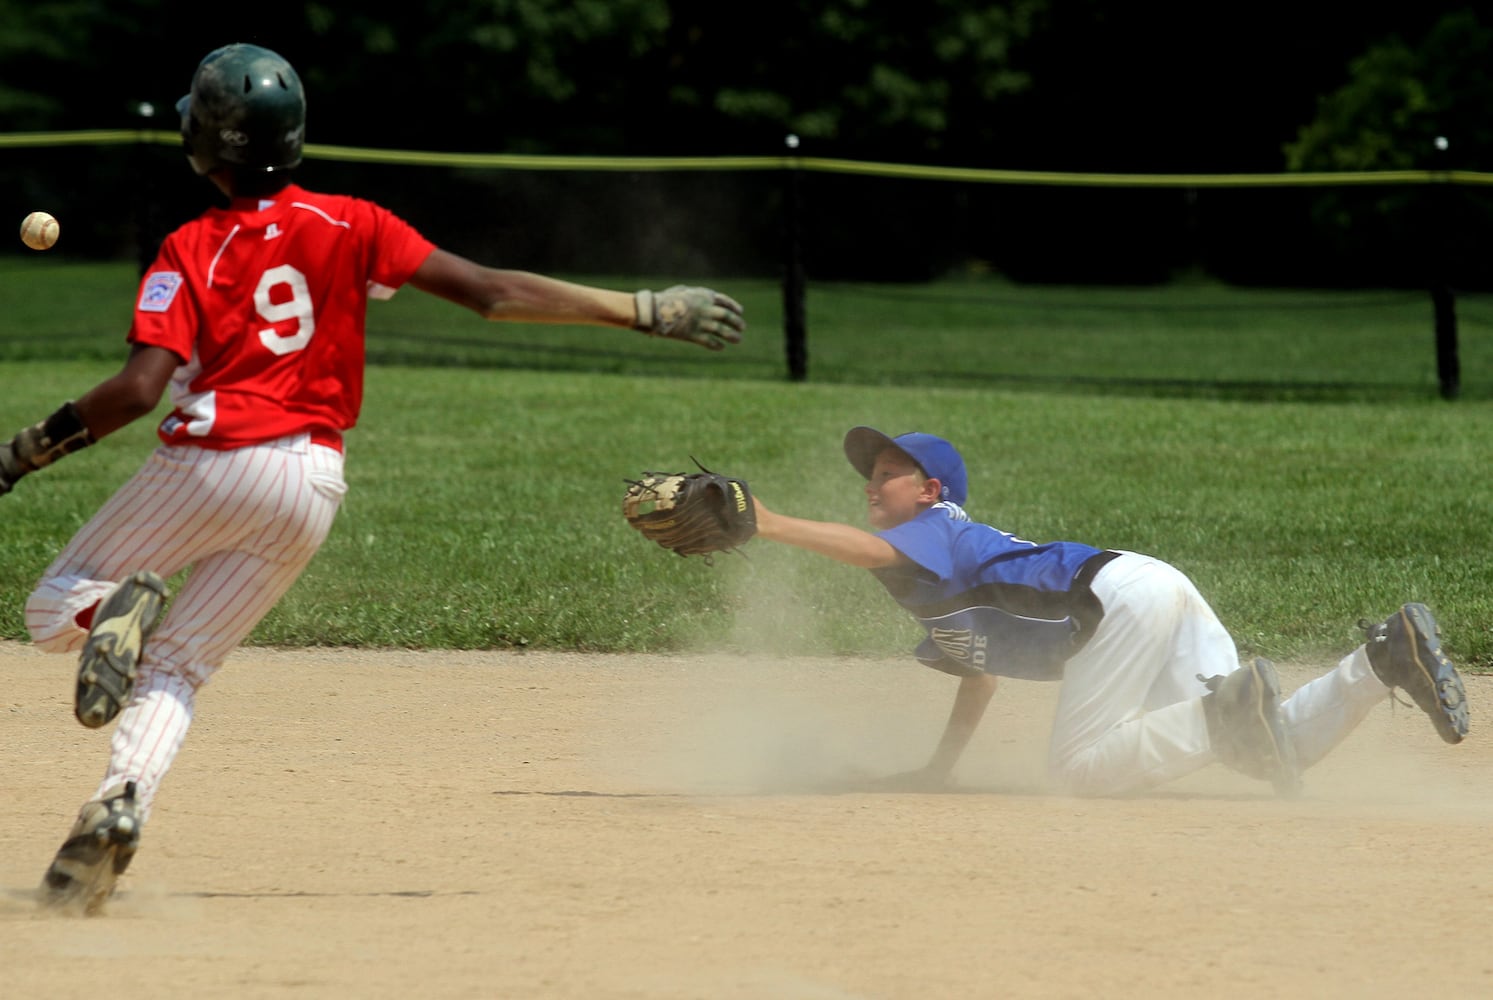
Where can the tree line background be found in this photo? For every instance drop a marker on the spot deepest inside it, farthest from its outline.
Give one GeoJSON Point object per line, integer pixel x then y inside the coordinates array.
{"type": "Point", "coordinates": [1077, 85]}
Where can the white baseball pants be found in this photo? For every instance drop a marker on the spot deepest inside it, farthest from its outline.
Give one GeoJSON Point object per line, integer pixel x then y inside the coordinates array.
{"type": "Point", "coordinates": [245, 522]}
{"type": "Point", "coordinates": [1130, 712]}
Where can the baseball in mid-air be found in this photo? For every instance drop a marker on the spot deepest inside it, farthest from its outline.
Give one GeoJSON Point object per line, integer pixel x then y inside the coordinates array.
{"type": "Point", "coordinates": [39, 231]}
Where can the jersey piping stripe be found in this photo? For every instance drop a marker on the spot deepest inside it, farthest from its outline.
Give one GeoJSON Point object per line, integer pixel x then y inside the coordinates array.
{"type": "Point", "coordinates": [213, 267]}
{"type": "Point", "coordinates": [312, 208]}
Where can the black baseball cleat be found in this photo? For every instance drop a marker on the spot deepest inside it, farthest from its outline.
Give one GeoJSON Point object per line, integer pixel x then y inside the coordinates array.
{"type": "Point", "coordinates": [1405, 652]}
{"type": "Point", "coordinates": [111, 655]}
{"type": "Point", "coordinates": [1246, 728]}
{"type": "Point", "coordinates": [98, 849]}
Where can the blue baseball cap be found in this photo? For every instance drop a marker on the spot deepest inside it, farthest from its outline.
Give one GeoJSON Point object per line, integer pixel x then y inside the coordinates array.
{"type": "Point", "coordinates": [936, 457]}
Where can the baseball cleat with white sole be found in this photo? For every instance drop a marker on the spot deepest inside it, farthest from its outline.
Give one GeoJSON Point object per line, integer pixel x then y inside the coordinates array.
{"type": "Point", "coordinates": [1405, 652]}
{"type": "Point", "coordinates": [111, 656]}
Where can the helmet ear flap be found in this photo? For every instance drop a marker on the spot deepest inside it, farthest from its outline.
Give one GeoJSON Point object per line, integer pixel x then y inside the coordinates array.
{"type": "Point", "coordinates": [191, 130]}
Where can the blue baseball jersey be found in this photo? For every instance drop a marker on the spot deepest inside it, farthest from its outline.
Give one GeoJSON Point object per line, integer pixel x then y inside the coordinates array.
{"type": "Point", "coordinates": [991, 602]}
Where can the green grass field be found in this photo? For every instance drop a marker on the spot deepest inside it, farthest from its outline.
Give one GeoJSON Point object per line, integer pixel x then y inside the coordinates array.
{"type": "Point", "coordinates": [1286, 449]}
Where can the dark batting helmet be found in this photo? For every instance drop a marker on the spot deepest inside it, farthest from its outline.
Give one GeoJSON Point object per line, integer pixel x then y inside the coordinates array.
{"type": "Point", "coordinates": [246, 111]}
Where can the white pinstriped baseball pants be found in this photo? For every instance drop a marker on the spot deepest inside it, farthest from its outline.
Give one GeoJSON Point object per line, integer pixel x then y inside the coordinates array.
{"type": "Point", "coordinates": [1130, 713]}
{"type": "Point", "coordinates": [245, 522]}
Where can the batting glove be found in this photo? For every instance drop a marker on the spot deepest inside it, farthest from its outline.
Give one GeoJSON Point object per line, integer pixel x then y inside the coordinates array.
{"type": "Point", "coordinates": [36, 447]}
{"type": "Point", "coordinates": [699, 315]}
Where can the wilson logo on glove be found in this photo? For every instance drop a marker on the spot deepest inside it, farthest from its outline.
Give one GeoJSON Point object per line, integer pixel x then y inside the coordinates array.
{"type": "Point", "coordinates": [691, 513]}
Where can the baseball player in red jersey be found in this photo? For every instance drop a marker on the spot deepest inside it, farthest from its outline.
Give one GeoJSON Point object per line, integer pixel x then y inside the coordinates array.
{"type": "Point", "coordinates": [254, 316]}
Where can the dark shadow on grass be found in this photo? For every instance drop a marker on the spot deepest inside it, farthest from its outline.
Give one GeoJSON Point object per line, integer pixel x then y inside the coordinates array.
{"type": "Point", "coordinates": [1059, 297]}
{"type": "Point", "coordinates": [1242, 390]}
{"type": "Point", "coordinates": [446, 352]}
{"type": "Point", "coordinates": [437, 352]}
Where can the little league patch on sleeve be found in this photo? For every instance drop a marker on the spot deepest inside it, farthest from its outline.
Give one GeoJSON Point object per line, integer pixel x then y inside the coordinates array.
{"type": "Point", "coordinates": [159, 290]}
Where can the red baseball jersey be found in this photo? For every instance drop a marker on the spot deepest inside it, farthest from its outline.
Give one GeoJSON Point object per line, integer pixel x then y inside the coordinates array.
{"type": "Point", "coordinates": [265, 303]}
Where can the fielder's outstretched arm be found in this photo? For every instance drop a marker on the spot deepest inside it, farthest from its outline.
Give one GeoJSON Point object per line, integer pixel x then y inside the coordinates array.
{"type": "Point", "coordinates": [841, 542]}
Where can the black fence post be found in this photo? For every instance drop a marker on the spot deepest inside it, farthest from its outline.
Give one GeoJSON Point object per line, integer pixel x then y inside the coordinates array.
{"type": "Point", "coordinates": [795, 326]}
{"type": "Point", "coordinates": [1443, 299]}
{"type": "Point", "coordinates": [1448, 365]}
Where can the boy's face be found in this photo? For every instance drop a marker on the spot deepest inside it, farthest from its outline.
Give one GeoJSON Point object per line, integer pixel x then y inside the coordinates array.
{"type": "Point", "coordinates": [897, 491]}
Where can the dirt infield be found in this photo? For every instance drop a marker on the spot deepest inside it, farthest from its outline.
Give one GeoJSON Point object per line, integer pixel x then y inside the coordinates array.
{"type": "Point", "coordinates": [358, 824]}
